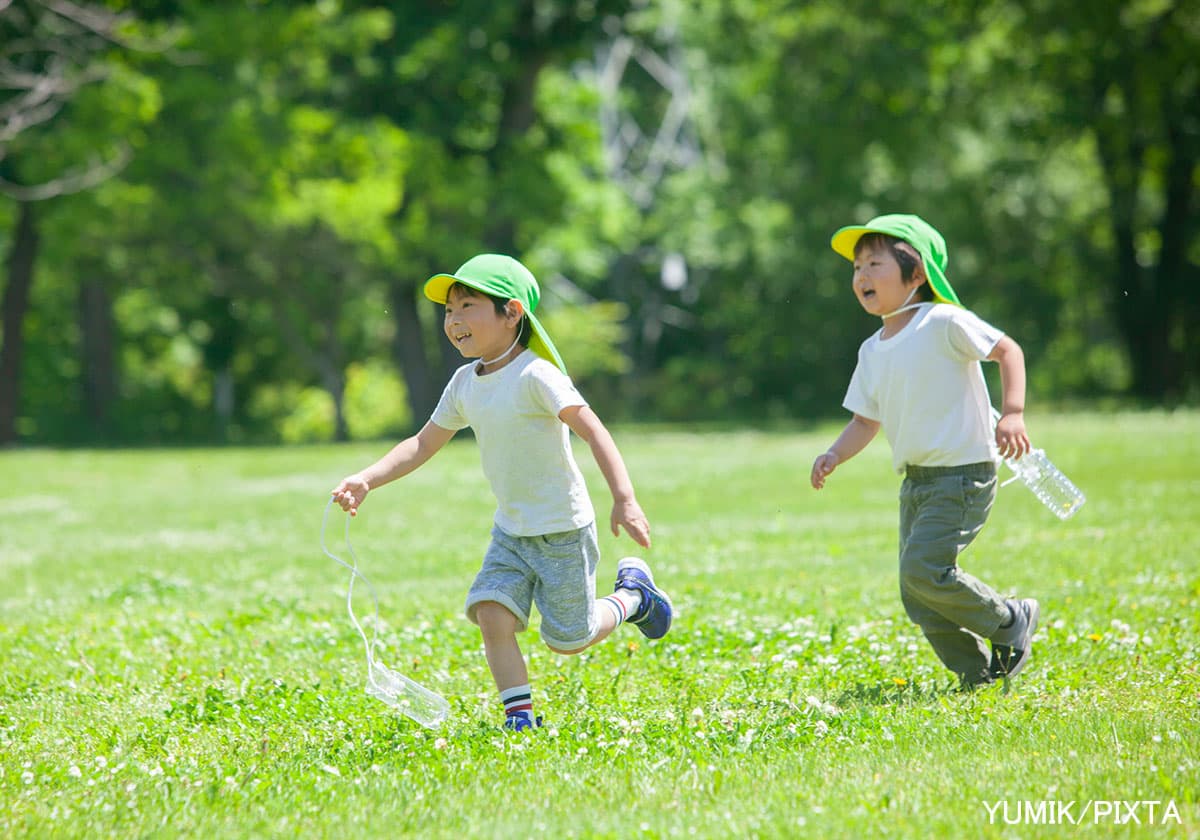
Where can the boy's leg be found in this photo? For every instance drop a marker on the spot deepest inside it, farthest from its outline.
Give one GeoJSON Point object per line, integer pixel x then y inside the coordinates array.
{"type": "Point", "coordinates": [506, 662]}
{"type": "Point", "coordinates": [959, 649]}
{"type": "Point", "coordinates": [941, 514]}
{"type": "Point", "coordinates": [565, 592]}
{"type": "Point", "coordinates": [499, 629]}
{"type": "Point", "coordinates": [611, 611]}
{"type": "Point", "coordinates": [499, 602]}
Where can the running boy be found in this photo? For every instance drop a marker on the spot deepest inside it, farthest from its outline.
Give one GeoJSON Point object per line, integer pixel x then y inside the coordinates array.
{"type": "Point", "coordinates": [919, 378]}
{"type": "Point", "coordinates": [520, 403]}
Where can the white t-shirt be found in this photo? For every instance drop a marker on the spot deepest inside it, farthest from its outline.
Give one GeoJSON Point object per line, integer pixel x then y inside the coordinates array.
{"type": "Point", "coordinates": [925, 386]}
{"type": "Point", "coordinates": [525, 448]}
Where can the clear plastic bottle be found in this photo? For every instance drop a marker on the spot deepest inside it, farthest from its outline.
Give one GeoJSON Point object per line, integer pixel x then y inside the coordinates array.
{"type": "Point", "coordinates": [1047, 482]}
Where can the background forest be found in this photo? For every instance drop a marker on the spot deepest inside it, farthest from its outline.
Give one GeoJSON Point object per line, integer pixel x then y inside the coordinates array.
{"type": "Point", "coordinates": [216, 217]}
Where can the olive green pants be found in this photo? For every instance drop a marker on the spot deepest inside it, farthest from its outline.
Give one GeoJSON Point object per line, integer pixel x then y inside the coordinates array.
{"type": "Point", "coordinates": [942, 509]}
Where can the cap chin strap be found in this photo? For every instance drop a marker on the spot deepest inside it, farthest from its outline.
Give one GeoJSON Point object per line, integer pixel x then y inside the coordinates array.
{"type": "Point", "coordinates": [486, 362]}
{"type": "Point", "coordinates": [904, 307]}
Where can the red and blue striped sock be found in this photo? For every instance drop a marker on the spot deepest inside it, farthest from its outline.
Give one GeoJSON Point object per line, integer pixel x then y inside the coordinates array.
{"type": "Point", "coordinates": [518, 701]}
{"type": "Point", "coordinates": [623, 603]}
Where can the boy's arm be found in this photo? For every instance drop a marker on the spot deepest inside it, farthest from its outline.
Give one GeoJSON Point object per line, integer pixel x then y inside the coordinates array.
{"type": "Point", "coordinates": [858, 433]}
{"type": "Point", "coordinates": [626, 511]}
{"type": "Point", "coordinates": [1011, 437]}
{"type": "Point", "coordinates": [403, 458]}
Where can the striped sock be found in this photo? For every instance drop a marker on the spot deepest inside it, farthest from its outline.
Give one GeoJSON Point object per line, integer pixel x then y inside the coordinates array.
{"type": "Point", "coordinates": [518, 700]}
{"type": "Point", "coordinates": [623, 603]}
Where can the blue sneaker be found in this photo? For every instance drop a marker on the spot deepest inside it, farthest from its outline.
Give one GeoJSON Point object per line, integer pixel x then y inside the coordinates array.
{"type": "Point", "coordinates": [521, 723]}
{"type": "Point", "coordinates": [653, 617]}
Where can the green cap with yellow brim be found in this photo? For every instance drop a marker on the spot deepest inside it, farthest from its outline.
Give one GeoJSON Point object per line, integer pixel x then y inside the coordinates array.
{"type": "Point", "coordinates": [504, 277]}
{"type": "Point", "coordinates": [916, 232]}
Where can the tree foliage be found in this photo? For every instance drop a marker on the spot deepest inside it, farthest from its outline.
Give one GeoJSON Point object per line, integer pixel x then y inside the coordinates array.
{"type": "Point", "coordinates": [290, 174]}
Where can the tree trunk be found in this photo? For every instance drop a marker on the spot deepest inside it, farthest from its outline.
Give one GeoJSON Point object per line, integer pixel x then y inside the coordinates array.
{"type": "Point", "coordinates": [219, 351]}
{"type": "Point", "coordinates": [409, 351]}
{"type": "Point", "coordinates": [99, 355]}
{"type": "Point", "coordinates": [13, 306]}
{"type": "Point", "coordinates": [1179, 305]}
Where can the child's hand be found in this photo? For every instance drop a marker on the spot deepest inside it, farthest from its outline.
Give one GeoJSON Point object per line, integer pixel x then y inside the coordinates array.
{"type": "Point", "coordinates": [350, 493]}
{"type": "Point", "coordinates": [1011, 438]}
{"type": "Point", "coordinates": [629, 514]}
{"type": "Point", "coordinates": [825, 464]}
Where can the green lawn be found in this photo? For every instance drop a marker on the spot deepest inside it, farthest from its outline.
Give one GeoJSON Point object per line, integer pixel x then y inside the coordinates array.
{"type": "Point", "coordinates": [177, 659]}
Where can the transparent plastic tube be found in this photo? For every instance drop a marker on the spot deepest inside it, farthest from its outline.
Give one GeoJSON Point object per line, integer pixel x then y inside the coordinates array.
{"type": "Point", "coordinates": [407, 696]}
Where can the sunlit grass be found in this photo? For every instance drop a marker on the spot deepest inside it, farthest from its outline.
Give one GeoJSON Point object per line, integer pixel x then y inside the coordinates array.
{"type": "Point", "coordinates": [177, 660]}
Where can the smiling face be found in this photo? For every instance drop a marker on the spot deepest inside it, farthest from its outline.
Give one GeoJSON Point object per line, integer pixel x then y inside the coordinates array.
{"type": "Point", "coordinates": [879, 277]}
{"type": "Point", "coordinates": [475, 327]}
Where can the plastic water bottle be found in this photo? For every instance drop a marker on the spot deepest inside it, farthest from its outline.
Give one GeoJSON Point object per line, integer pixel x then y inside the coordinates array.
{"type": "Point", "coordinates": [1047, 482]}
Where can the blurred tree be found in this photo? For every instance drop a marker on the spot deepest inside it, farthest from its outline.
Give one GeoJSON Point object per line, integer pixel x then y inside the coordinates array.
{"type": "Point", "coordinates": [1126, 78]}
{"type": "Point", "coordinates": [49, 53]}
{"type": "Point", "coordinates": [463, 80]}
{"type": "Point", "coordinates": [270, 209]}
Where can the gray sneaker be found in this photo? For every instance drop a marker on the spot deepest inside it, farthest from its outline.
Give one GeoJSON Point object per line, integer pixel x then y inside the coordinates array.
{"type": "Point", "coordinates": [1008, 659]}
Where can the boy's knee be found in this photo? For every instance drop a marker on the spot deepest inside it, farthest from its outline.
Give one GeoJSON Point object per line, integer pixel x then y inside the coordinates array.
{"type": "Point", "coordinates": [919, 574]}
{"type": "Point", "coordinates": [494, 617]}
{"type": "Point", "coordinates": [562, 652]}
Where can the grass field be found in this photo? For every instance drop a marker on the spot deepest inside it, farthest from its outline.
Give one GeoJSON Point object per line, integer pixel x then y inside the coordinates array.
{"type": "Point", "coordinates": [177, 660]}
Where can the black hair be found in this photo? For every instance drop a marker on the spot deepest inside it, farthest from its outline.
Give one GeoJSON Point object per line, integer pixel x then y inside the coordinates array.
{"type": "Point", "coordinates": [501, 305]}
{"type": "Point", "coordinates": [907, 262]}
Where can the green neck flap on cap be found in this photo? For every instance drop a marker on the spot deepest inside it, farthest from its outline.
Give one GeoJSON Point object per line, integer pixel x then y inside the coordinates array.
{"type": "Point", "coordinates": [916, 232]}
{"type": "Point", "coordinates": [504, 277]}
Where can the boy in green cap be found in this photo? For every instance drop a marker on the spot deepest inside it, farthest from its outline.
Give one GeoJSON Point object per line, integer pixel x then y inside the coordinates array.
{"type": "Point", "coordinates": [919, 379]}
{"type": "Point", "coordinates": [520, 403]}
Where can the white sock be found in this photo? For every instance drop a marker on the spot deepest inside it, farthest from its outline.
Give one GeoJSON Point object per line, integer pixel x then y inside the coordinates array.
{"type": "Point", "coordinates": [623, 603]}
{"type": "Point", "coordinates": [517, 701]}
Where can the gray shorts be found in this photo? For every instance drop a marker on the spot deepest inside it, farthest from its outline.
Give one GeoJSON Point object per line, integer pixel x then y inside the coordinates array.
{"type": "Point", "coordinates": [555, 571]}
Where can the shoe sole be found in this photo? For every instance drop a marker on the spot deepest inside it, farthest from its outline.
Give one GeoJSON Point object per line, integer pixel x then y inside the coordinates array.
{"type": "Point", "coordinates": [1035, 614]}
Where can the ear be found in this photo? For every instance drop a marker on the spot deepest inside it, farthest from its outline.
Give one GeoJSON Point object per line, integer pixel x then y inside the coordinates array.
{"type": "Point", "coordinates": [919, 275]}
{"type": "Point", "coordinates": [514, 309]}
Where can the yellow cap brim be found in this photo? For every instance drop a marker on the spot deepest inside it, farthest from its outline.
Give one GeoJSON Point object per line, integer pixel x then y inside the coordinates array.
{"type": "Point", "coordinates": [438, 285]}
{"type": "Point", "coordinates": [846, 238]}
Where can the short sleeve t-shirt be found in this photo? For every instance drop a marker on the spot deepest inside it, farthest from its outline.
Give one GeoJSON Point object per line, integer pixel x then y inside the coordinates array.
{"type": "Point", "coordinates": [524, 447]}
{"type": "Point", "coordinates": [925, 387]}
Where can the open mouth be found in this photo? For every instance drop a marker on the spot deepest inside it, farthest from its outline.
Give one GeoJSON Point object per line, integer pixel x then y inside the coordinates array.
{"type": "Point", "coordinates": [459, 339]}
{"type": "Point", "coordinates": [868, 294]}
